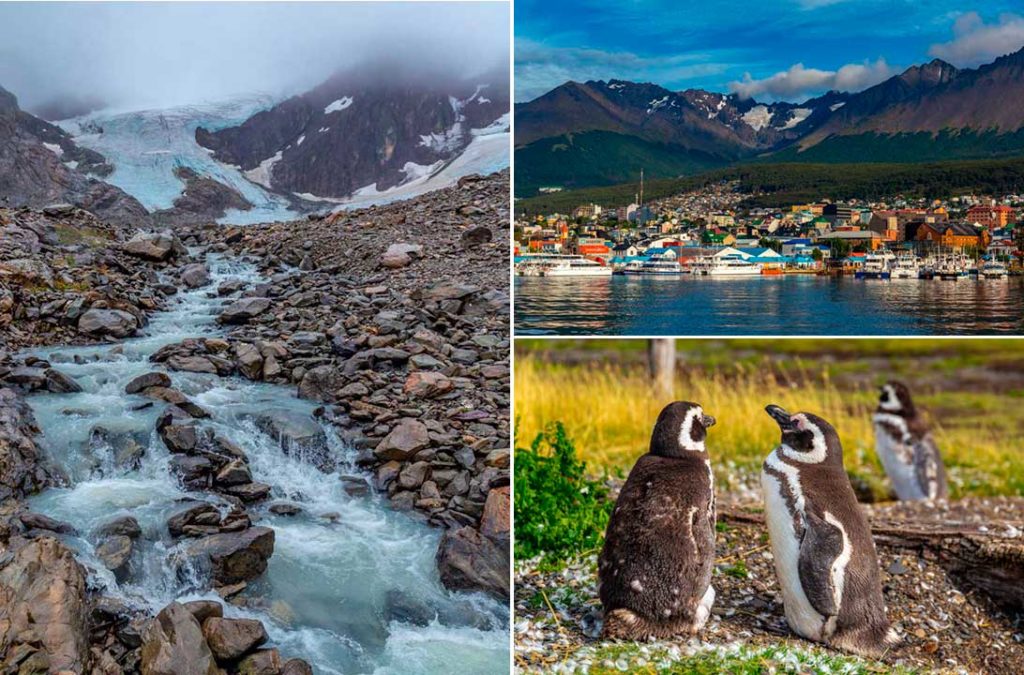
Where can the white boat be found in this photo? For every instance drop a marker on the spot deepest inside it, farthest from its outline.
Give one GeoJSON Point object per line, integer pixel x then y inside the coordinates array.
{"type": "Point", "coordinates": [654, 266]}
{"type": "Point", "coordinates": [729, 266]}
{"type": "Point", "coordinates": [906, 266]}
{"type": "Point", "coordinates": [952, 267]}
{"type": "Point", "coordinates": [876, 266]}
{"type": "Point", "coordinates": [575, 266]}
{"type": "Point", "coordinates": [994, 270]}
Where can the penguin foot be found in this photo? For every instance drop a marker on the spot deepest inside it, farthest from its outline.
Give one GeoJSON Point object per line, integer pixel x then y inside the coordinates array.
{"type": "Point", "coordinates": [871, 641]}
{"type": "Point", "coordinates": [623, 624]}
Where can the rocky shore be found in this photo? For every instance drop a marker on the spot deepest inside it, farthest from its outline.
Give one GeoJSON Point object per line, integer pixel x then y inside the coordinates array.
{"type": "Point", "coordinates": [395, 319]}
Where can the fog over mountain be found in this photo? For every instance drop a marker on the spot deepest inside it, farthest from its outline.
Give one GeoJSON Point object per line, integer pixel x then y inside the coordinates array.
{"type": "Point", "coordinates": [67, 58]}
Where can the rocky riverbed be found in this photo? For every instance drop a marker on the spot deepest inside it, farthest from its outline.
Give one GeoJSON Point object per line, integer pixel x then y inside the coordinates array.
{"type": "Point", "coordinates": [256, 449]}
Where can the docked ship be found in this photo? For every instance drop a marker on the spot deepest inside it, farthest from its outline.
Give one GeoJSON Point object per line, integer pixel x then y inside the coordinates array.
{"type": "Point", "coordinates": [994, 270]}
{"type": "Point", "coordinates": [654, 266]}
{"type": "Point", "coordinates": [575, 266]}
{"type": "Point", "coordinates": [729, 266]}
{"type": "Point", "coordinates": [906, 266]}
{"type": "Point", "coordinates": [951, 267]}
{"type": "Point", "coordinates": [876, 266]}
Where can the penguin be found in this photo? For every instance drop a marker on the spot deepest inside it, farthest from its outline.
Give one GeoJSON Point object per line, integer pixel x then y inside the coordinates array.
{"type": "Point", "coordinates": [906, 448]}
{"type": "Point", "coordinates": [825, 557]}
{"type": "Point", "coordinates": [659, 549]}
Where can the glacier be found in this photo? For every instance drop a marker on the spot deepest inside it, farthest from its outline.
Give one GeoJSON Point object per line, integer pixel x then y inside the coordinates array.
{"type": "Point", "coordinates": [146, 146]}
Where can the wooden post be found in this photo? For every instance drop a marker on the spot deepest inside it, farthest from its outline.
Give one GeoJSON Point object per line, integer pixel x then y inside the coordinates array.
{"type": "Point", "coordinates": [661, 361]}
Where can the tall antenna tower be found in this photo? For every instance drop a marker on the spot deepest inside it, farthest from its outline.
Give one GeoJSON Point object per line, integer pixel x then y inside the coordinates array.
{"type": "Point", "coordinates": [641, 200]}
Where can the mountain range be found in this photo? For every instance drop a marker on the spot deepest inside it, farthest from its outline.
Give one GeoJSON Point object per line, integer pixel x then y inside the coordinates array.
{"type": "Point", "coordinates": [359, 138]}
{"type": "Point", "coordinates": [601, 133]}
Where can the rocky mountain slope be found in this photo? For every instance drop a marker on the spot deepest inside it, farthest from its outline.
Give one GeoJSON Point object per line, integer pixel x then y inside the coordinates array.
{"type": "Point", "coordinates": [40, 165]}
{"type": "Point", "coordinates": [928, 112]}
{"type": "Point", "coordinates": [360, 130]}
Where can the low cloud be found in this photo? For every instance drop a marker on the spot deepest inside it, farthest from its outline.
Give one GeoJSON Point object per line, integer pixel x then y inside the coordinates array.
{"type": "Point", "coordinates": [799, 81]}
{"type": "Point", "coordinates": [976, 42]}
{"type": "Point", "coordinates": [540, 68]}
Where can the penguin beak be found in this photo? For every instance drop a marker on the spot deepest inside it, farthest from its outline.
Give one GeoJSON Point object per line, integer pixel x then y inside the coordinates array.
{"type": "Point", "coordinates": [708, 421]}
{"type": "Point", "coordinates": [781, 417]}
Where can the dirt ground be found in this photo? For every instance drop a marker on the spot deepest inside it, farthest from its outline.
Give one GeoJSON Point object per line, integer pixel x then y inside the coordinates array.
{"type": "Point", "coordinates": [946, 624]}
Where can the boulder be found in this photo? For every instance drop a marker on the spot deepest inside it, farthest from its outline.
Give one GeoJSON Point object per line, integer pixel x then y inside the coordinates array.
{"type": "Point", "coordinates": [126, 526]}
{"type": "Point", "coordinates": [469, 561]}
{"type": "Point", "coordinates": [401, 255]}
{"type": "Point", "coordinates": [192, 364]}
{"type": "Point", "coordinates": [427, 384]}
{"type": "Point", "coordinates": [320, 383]}
{"type": "Point", "coordinates": [23, 471]}
{"type": "Point", "coordinates": [179, 438]}
{"type": "Point", "coordinates": [235, 472]}
{"type": "Point", "coordinates": [204, 609]}
{"type": "Point", "coordinates": [197, 516]}
{"type": "Point", "coordinates": [249, 359]}
{"type": "Point", "coordinates": [262, 662]}
{"type": "Point", "coordinates": [496, 521]}
{"type": "Point", "coordinates": [407, 438]}
{"type": "Point", "coordinates": [174, 645]}
{"type": "Point", "coordinates": [37, 521]}
{"type": "Point", "coordinates": [244, 309]}
{"type": "Point", "coordinates": [147, 380]}
{"type": "Point", "coordinates": [115, 552]}
{"type": "Point", "coordinates": [298, 434]}
{"type": "Point", "coordinates": [43, 607]}
{"type": "Point", "coordinates": [27, 378]}
{"type": "Point", "coordinates": [113, 322]}
{"type": "Point", "coordinates": [233, 557]}
{"type": "Point", "coordinates": [195, 275]}
{"type": "Point", "coordinates": [476, 236]}
{"type": "Point", "coordinates": [296, 667]}
{"type": "Point", "coordinates": [59, 383]}
{"type": "Point", "coordinates": [155, 246]}
{"type": "Point", "coordinates": [230, 639]}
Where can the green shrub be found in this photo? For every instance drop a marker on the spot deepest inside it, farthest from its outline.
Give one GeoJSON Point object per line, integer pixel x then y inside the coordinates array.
{"type": "Point", "coordinates": [559, 512]}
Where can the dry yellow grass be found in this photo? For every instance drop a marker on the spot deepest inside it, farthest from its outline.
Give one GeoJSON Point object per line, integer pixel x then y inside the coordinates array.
{"type": "Point", "coordinates": [609, 411]}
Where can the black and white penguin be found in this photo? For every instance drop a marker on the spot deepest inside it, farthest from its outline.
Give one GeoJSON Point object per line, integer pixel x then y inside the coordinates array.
{"type": "Point", "coordinates": [659, 550]}
{"type": "Point", "coordinates": [905, 446]}
{"type": "Point", "coordinates": [825, 557]}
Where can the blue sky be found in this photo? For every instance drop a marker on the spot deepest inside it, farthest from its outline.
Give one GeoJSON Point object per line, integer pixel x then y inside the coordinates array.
{"type": "Point", "coordinates": [775, 50]}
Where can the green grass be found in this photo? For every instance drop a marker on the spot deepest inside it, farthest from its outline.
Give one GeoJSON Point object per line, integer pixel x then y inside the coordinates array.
{"type": "Point", "coordinates": [739, 660]}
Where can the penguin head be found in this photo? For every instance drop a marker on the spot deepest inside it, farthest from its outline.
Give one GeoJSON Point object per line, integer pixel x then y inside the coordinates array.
{"type": "Point", "coordinates": [894, 398]}
{"type": "Point", "coordinates": [806, 437]}
{"type": "Point", "coordinates": [681, 427]}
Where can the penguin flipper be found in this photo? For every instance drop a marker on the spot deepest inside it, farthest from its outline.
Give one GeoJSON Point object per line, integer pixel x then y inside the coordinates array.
{"type": "Point", "coordinates": [821, 545]}
{"type": "Point", "coordinates": [929, 470]}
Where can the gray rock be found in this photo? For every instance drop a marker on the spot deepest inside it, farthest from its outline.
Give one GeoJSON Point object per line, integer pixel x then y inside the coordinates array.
{"type": "Point", "coordinates": [195, 275]}
{"type": "Point", "coordinates": [469, 561]}
{"type": "Point", "coordinates": [244, 309]}
{"type": "Point", "coordinates": [232, 557]}
{"type": "Point", "coordinates": [230, 639]}
{"type": "Point", "coordinates": [126, 526]}
{"type": "Point", "coordinates": [298, 434]}
{"type": "Point", "coordinates": [155, 246]}
{"type": "Point", "coordinates": [174, 645]}
{"type": "Point", "coordinates": [153, 379]}
{"type": "Point", "coordinates": [113, 322]}
{"type": "Point", "coordinates": [407, 438]}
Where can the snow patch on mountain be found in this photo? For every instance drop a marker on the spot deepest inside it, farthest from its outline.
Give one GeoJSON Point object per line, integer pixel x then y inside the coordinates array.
{"type": "Point", "coordinates": [799, 115]}
{"type": "Point", "coordinates": [486, 153]}
{"type": "Point", "coordinates": [450, 139]}
{"type": "Point", "coordinates": [264, 173]}
{"type": "Point", "coordinates": [54, 148]}
{"type": "Point", "coordinates": [836, 106]}
{"type": "Point", "coordinates": [758, 117]}
{"type": "Point", "coordinates": [339, 105]}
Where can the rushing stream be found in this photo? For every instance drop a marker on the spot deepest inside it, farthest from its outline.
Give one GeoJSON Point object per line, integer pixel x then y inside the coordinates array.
{"type": "Point", "coordinates": [324, 594]}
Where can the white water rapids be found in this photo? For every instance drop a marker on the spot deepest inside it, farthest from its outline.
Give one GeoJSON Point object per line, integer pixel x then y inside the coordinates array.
{"type": "Point", "coordinates": [324, 592]}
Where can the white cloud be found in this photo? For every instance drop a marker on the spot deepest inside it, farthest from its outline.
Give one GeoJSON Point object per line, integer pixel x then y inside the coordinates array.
{"type": "Point", "coordinates": [799, 80]}
{"type": "Point", "coordinates": [976, 42]}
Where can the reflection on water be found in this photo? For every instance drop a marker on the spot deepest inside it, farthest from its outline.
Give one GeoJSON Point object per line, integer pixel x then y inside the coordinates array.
{"type": "Point", "coordinates": [789, 305]}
